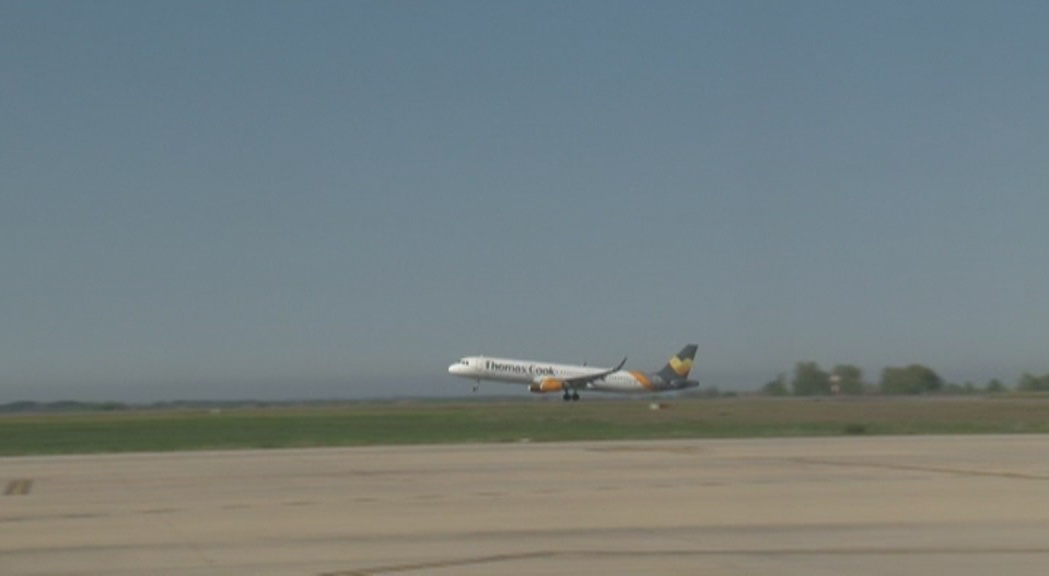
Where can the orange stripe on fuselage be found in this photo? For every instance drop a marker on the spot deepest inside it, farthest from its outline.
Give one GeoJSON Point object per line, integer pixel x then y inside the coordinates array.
{"type": "Point", "coordinates": [642, 379]}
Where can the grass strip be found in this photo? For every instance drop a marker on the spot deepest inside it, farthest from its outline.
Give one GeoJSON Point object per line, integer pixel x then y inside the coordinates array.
{"type": "Point", "coordinates": [367, 424]}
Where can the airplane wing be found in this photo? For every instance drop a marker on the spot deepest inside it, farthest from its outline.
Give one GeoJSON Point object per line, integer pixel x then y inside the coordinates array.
{"type": "Point", "coordinates": [582, 381]}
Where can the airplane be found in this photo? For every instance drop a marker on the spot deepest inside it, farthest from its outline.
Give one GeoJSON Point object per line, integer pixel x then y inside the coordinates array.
{"type": "Point", "coordinates": [545, 377]}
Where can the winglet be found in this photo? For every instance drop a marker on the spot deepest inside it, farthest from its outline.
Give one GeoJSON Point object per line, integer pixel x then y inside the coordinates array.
{"type": "Point", "coordinates": [620, 365]}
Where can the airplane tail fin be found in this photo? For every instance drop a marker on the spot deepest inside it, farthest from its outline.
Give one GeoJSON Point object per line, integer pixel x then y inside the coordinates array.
{"type": "Point", "coordinates": [680, 364]}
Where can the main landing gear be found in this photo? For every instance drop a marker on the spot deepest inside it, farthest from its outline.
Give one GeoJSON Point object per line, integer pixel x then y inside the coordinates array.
{"type": "Point", "coordinates": [573, 396]}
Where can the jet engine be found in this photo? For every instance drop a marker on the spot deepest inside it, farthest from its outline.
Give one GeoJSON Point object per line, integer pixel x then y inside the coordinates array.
{"type": "Point", "coordinates": [547, 386]}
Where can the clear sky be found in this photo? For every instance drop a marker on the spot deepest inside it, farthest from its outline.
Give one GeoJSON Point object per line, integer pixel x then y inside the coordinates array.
{"type": "Point", "coordinates": [339, 199]}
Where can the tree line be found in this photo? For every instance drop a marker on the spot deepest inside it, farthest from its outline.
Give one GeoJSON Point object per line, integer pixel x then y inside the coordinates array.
{"type": "Point", "coordinates": [845, 379]}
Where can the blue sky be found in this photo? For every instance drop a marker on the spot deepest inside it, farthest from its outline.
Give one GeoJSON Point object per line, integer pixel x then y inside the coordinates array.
{"type": "Point", "coordinates": [338, 199]}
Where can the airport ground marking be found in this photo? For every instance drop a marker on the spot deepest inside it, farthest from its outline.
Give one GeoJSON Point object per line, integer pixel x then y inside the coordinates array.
{"type": "Point", "coordinates": [18, 487]}
{"type": "Point", "coordinates": [920, 468]}
{"type": "Point", "coordinates": [765, 552]}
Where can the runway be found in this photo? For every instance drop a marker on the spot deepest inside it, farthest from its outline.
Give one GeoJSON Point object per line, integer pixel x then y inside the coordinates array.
{"type": "Point", "coordinates": [964, 505]}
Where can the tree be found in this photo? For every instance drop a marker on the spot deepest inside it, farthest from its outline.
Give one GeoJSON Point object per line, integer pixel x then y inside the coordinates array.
{"type": "Point", "coordinates": [777, 387]}
{"type": "Point", "coordinates": [849, 379]}
{"type": "Point", "coordinates": [809, 380]}
{"type": "Point", "coordinates": [995, 387]}
{"type": "Point", "coordinates": [1030, 383]}
{"type": "Point", "coordinates": [914, 379]}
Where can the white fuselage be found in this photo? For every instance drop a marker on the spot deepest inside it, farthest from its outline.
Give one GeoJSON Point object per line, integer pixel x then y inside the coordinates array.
{"type": "Point", "coordinates": [532, 372]}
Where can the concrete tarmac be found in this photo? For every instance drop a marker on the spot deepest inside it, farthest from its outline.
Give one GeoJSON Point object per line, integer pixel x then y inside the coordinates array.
{"type": "Point", "coordinates": [965, 505]}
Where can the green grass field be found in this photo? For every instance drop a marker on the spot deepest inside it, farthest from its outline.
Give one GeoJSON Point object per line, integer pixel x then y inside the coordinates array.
{"type": "Point", "coordinates": [537, 421]}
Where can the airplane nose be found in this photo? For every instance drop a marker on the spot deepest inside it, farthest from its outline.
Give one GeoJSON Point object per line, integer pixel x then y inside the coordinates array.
{"type": "Point", "coordinates": [455, 369]}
